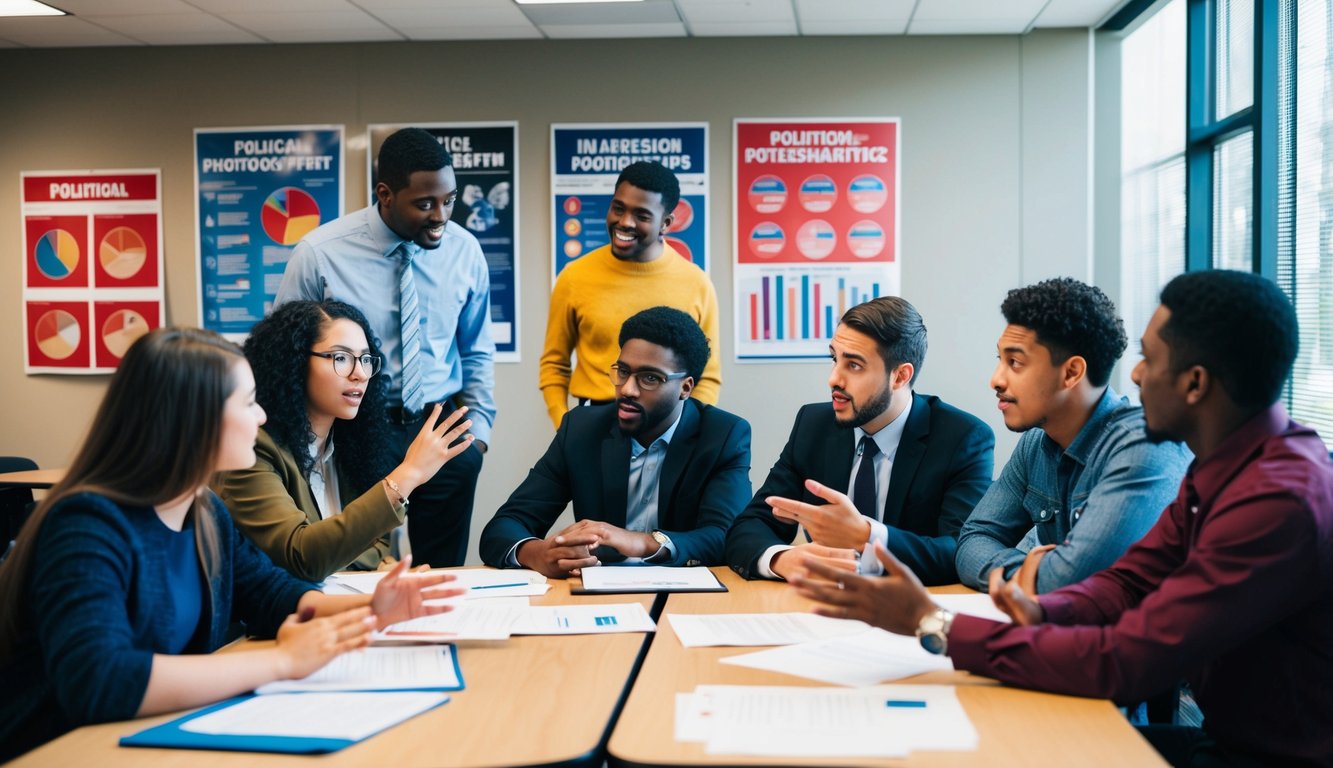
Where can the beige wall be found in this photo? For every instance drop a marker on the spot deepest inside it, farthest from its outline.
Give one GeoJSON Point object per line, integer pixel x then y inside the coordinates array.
{"type": "Point", "coordinates": [996, 176]}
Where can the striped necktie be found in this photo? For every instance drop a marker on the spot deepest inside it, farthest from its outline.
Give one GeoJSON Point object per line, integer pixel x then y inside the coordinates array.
{"type": "Point", "coordinates": [410, 318]}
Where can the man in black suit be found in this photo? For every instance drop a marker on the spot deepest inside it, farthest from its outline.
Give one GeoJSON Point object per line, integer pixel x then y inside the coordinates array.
{"type": "Point", "coordinates": [929, 463]}
{"type": "Point", "coordinates": [656, 477]}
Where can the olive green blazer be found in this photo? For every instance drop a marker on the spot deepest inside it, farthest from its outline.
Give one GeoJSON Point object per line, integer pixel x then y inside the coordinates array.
{"type": "Point", "coordinates": [273, 506]}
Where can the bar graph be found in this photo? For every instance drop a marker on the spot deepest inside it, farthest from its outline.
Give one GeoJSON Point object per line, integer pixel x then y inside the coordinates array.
{"type": "Point", "coordinates": [787, 306]}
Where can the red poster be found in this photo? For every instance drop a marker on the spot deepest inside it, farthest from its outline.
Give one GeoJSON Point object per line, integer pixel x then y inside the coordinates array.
{"type": "Point", "coordinates": [118, 324]}
{"type": "Point", "coordinates": [56, 251]}
{"type": "Point", "coordinates": [126, 250]}
{"type": "Point", "coordinates": [57, 334]}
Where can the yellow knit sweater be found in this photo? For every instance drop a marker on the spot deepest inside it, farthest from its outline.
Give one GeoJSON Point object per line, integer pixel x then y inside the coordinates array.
{"type": "Point", "coordinates": [597, 293]}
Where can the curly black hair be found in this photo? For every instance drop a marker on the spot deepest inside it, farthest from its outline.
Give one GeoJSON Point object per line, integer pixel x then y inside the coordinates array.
{"type": "Point", "coordinates": [673, 329]}
{"type": "Point", "coordinates": [897, 328]}
{"type": "Point", "coordinates": [1239, 326]}
{"type": "Point", "coordinates": [407, 151]}
{"type": "Point", "coordinates": [1070, 318]}
{"type": "Point", "coordinates": [653, 177]}
{"type": "Point", "coordinates": [279, 352]}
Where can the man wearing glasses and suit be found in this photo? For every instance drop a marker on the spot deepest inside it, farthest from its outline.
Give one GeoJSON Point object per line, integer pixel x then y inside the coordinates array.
{"type": "Point", "coordinates": [656, 476]}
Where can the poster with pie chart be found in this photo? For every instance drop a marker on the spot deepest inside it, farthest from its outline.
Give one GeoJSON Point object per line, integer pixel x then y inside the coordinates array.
{"type": "Point", "coordinates": [56, 251]}
{"type": "Point", "coordinates": [117, 325]}
{"type": "Point", "coordinates": [57, 335]}
{"type": "Point", "coordinates": [288, 215]}
{"type": "Point", "coordinates": [127, 252]}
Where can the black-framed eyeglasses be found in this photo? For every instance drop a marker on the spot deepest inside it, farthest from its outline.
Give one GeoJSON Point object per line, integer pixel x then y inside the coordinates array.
{"type": "Point", "coordinates": [344, 362]}
{"type": "Point", "coordinates": [647, 380]}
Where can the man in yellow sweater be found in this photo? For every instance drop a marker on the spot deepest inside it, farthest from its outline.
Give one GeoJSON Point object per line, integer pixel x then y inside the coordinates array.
{"type": "Point", "coordinates": [596, 294]}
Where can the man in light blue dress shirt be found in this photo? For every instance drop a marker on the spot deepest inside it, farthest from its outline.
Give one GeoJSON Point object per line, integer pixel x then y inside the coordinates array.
{"type": "Point", "coordinates": [1085, 482]}
{"type": "Point", "coordinates": [655, 477]}
{"type": "Point", "coordinates": [424, 285]}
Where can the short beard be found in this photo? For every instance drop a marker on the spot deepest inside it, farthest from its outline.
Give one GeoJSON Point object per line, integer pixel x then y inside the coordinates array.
{"type": "Point", "coordinates": [871, 411]}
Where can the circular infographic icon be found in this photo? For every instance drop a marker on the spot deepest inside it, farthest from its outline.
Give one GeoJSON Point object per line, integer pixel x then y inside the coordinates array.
{"type": "Point", "coordinates": [288, 215]}
{"type": "Point", "coordinates": [573, 227]}
{"type": "Point", "coordinates": [816, 239]}
{"type": "Point", "coordinates": [768, 194]}
{"type": "Point", "coordinates": [573, 249]}
{"type": "Point", "coordinates": [682, 217]}
{"type": "Point", "coordinates": [767, 240]}
{"type": "Point", "coordinates": [58, 334]}
{"type": "Point", "coordinates": [122, 253]}
{"type": "Point", "coordinates": [122, 329]}
{"type": "Point", "coordinates": [57, 254]}
{"type": "Point", "coordinates": [866, 239]}
{"type": "Point", "coordinates": [818, 193]}
{"type": "Point", "coordinates": [867, 193]}
{"type": "Point", "coordinates": [573, 205]}
{"type": "Point", "coordinates": [680, 247]}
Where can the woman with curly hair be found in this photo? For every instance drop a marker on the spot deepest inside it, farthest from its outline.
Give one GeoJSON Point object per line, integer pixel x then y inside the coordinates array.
{"type": "Point", "coordinates": [127, 575]}
{"type": "Point", "coordinates": [315, 510]}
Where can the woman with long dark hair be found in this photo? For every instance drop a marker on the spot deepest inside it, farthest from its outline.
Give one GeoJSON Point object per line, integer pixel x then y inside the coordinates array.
{"type": "Point", "coordinates": [313, 509]}
{"type": "Point", "coordinates": [129, 572]}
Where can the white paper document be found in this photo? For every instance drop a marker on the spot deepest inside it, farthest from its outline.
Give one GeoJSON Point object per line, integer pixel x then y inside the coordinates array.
{"type": "Point", "coordinates": [480, 582]}
{"type": "Point", "coordinates": [401, 668]}
{"type": "Point", "coordinates": [584, 619]}
{"type": "Point", "coordinates": [979, 605]}
{"type": "Point", "coordinates": [471, 620]}
{"type": "Point", "coordinates": [648, 578]}
{"type": "Point", "coordinates": [863, 659]}
{"type": "Point", "coordinates": [698, 630]}
{"type": "Point", "coordinates": [351, 716]}
{"type": "Point", "coordinates": [778, 721]}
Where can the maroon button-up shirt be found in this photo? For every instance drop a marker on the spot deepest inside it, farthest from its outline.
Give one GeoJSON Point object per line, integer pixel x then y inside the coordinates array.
{"type": "Point", "coordinates": [1232, 589]}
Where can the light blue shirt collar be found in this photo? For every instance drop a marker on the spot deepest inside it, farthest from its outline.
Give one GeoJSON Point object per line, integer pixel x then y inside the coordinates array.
{"type": "Point", "coordinates": [887, 439]}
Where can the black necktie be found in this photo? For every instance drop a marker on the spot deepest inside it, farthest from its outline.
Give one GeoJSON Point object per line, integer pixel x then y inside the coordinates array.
{"type": "Point", "coordinates": [863, 490]}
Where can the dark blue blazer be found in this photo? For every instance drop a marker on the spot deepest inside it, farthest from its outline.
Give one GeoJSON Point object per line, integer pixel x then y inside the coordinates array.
{"type": "Point", "coordinates": [705, 482]}
{"type": "Point", "coordinates": [943, 467]}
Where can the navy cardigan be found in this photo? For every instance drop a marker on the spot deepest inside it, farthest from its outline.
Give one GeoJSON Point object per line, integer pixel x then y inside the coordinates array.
{"type": "Point", "coordinates": [95, 616]}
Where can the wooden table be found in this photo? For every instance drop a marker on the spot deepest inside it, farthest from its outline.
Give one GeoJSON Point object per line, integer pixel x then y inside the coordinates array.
{"type": "Point", "coordinates": [31, 478]}
{"type": "Point", "coordinates": [1014, 727]}
{"type": "Point", "coordinates": [528, 701]}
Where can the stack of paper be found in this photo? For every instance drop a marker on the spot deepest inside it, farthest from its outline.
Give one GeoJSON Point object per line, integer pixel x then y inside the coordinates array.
{"type": "Point", "coordinates": [774, 721]}
{"type": "Point", "coordinates": [480, 582]}
{"type": "Point", "coordinates": [869, 657]}
{"type": "Point", "coordinates": [408, 668]}
{"type": "Point", "coordinates": [648, 578]}
{"type": "Point", "coordinates": [499, 618]}
{"type": "Point", "coordinates": [698, 630]}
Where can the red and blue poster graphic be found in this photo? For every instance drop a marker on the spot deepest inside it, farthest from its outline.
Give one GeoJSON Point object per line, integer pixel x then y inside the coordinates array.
{"type": "Point", "coordinates": [585, 161]}
{"type": "Point", "coordinates": [815, 208]}
{"type": "Point", "coordinates": [258, 191]}
{"type": "Point", "coordinates": [486, 168]}
{"type": "Point", "coordinates": [90, 239]}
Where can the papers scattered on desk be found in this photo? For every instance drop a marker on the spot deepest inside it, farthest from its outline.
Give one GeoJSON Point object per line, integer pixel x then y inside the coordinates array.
{"type": "Point", "coordinates": [481, 582]}
{"type": "Point", "coordinates": [584, 619]}
{"type": "Point", "coordinates": [343, 716]}
{"type": "Point", "coordinates": [698, 630]}
{"type": "Point", "coordinates": [973, 605]}
{"type": "Point", "coordinates": [470, 620]}
{"type": "Point", "coordinates": [776, 721]}
{"type": "Point", "coordinates": [403, 668]}
{"type": "Point", "coordinates": [869, 657]}
{"type": "Point", "coordinates": [649, 578]}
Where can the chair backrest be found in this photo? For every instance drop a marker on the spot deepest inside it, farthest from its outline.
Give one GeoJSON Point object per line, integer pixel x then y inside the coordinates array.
{"type": "Point", "coordinates": [15, 503]}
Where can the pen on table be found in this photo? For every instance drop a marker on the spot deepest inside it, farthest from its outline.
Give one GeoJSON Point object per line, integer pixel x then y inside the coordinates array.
{"type": "Point", "coordinates": [498, 586]}
{"type": "Point", "coordinates": [905, 703]}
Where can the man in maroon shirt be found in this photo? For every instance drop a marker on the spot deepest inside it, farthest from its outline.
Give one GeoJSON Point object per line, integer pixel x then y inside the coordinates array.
{"type": "Point", "coordinates": [1232, 589]}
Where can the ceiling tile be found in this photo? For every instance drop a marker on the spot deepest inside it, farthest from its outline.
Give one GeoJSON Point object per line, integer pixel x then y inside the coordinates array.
{"type": "Point", "coordinates": [224, 7]}
{"type": "Point", "coordinates": [480, 32]}
{"type": "Point", "coordinates": [599, 14]}
{"type": "Point", "coordinates": [852, 27]}
{"type": "Point", "coordinates": [869, 11]}
{"type": "Point", "coordinates": [759, 12]}
{"type": "Point", "coordinates": [933, 17]}
{"type": "Point", "coordinates": [450, 17]}
{"type": "Point", "coordinates": [122, 7]}
{"type": "Point", "coordinates": [599, 31]}
{"type": "Point", "coordinates": [743, 28]}
{"type": "Point", "coordinates": [176, 29]}
{"type": "Point", "coordinates": [59, 32]}
{"type": "Point", "coordinates": [1077, 13]}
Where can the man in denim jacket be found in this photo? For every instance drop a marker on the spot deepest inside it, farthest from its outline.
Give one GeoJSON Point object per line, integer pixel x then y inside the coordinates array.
{"type": "Point", "coordinates": [1084, 482]}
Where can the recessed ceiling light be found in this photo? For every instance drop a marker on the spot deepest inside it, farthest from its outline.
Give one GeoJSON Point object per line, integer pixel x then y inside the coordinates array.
{"type": "Point", "coordinates": [28, 8]}
{"type": "Point", "coordinates": [571, 2]}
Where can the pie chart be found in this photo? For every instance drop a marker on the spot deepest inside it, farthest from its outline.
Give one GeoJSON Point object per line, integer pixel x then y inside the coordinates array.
{"type": "Point", "coordinates": [122, 253]}
{"type": "Point", "coordinates": [122, 329]}
{"type": "Point", "coordinates": [58, 334]}
{"type": "Point", "coordinates": [289, 214]}
{"type": "Point", "coordinates": [57, 254]}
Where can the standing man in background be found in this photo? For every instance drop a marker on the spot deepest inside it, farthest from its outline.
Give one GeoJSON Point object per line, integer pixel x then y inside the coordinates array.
{"type": "Point", "coordinates": [424, 285]}
{"type": "Point", "coordinates": [597, 293]}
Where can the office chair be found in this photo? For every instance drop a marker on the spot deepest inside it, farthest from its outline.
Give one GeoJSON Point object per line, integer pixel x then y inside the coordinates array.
{"type": "Point", "coordinates": [15, 503]}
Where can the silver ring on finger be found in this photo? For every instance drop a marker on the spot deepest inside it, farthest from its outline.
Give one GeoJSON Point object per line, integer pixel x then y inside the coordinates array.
{"type": "Point", "coordinates": [841, 585]}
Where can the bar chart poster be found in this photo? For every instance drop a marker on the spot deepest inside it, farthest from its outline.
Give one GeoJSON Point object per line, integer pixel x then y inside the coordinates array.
{"type": "Point", "coordinates": [258, 191]}
{"type": "Point", "coordinates": [815, 214]}
{"type": "Point", "coordinates": [91, 245]}
{"type": "Point", "coordinates": [587, 159]}
{"type": "Point", "coordinates": [486, 169]}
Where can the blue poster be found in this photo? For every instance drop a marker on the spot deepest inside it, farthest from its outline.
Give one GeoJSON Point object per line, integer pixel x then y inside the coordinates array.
{"type": "Point", "coordinates": [585, 161]}
{"type": "Point", "coordinates": [486, 167]}
{"type": "Point", "coordinates": [258, 191]}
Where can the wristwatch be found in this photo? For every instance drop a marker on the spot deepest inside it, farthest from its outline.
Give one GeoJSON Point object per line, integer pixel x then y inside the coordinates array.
{"type": "Point", "coordinates": [662, 541]}
{"type": "Point", "coordinates": [933, 631]}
